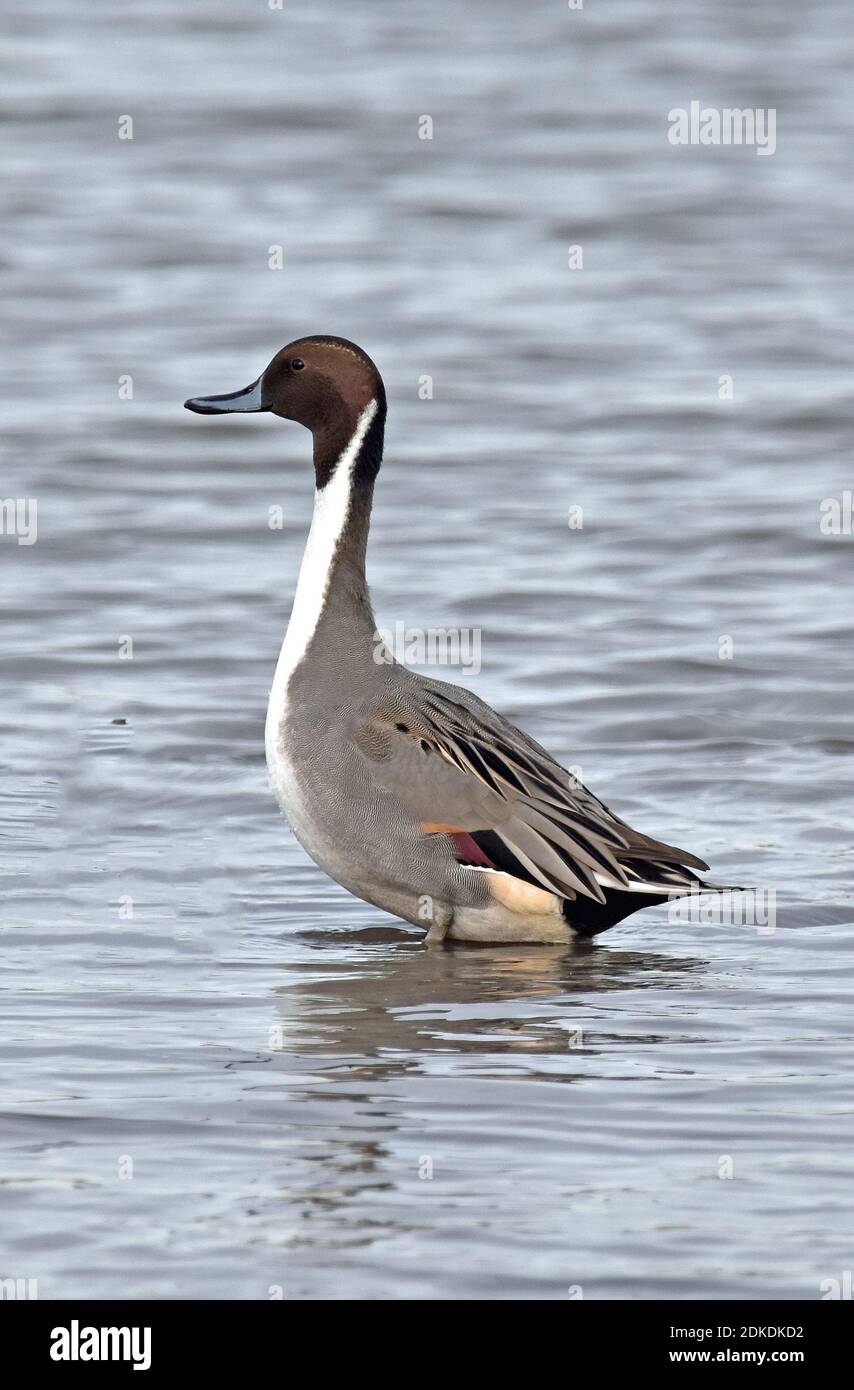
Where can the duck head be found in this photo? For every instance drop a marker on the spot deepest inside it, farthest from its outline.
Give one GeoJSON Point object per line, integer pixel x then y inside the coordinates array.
{"type": "Point", "coordinates": [327, 384]}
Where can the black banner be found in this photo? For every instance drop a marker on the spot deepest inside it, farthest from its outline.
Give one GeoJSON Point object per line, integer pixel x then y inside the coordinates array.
{"type": "Point", "coordinates": [66, 1339]}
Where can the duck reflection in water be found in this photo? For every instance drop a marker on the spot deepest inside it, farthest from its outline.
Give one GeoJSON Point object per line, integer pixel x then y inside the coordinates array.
{"type": "Point", "coordinates": [385, 1003]}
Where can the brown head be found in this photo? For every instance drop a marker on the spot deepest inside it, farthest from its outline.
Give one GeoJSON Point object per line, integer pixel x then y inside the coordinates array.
{"type": "Point", "coordinates": [323, 383]}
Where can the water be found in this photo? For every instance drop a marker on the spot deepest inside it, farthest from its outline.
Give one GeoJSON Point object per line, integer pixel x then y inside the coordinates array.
{"type": "Point", "coordinates": [278, 1066]}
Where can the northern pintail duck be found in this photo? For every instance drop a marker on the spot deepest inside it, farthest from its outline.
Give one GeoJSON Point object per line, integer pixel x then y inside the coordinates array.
{"type": "Point", "coordinates": [411, 792]}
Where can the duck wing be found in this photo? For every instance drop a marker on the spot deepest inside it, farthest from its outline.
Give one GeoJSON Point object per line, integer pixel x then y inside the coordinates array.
{"type": "Point", "coordinates": [464, 771]}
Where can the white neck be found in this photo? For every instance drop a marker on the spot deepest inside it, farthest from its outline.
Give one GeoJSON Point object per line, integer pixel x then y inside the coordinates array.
{"type": "Point", "coordinates": [331, 510]}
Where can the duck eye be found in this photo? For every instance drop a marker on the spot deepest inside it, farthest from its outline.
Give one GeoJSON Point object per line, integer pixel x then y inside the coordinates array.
{"type": "Point", "coordinates": [297, 364]}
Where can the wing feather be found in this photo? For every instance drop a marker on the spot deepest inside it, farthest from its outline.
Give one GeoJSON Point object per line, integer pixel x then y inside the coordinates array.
{"type": "Point", "coordinates": [493, 778]}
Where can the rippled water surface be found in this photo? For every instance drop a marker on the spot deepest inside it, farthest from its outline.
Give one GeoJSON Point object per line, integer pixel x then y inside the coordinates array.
{"type": "Point", "coordinates": [221, 1074]}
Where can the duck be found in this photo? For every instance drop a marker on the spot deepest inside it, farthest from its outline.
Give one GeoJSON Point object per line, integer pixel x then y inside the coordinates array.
{"type": "Point", "coordinates": [413, 793]}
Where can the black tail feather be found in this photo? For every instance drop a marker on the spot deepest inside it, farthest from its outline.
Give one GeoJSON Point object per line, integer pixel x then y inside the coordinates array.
{"type": "Point", "coordinates": [588, 918]}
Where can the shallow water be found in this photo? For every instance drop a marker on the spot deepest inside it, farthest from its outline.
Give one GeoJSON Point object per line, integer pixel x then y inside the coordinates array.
{"type": "Point", "coordinates": [221, 1074]}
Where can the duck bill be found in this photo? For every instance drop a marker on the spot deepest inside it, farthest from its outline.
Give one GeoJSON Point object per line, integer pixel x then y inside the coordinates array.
{"type": "Point", "coordinates": [245, 401]}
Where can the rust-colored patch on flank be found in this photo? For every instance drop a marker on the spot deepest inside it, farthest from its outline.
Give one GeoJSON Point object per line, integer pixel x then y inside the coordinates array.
{"type": "Point", "coordinates": [466, 850]}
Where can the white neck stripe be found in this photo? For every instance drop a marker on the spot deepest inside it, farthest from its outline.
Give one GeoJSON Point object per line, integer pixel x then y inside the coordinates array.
{"type": "Point", "coordinates": [331, 510]}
